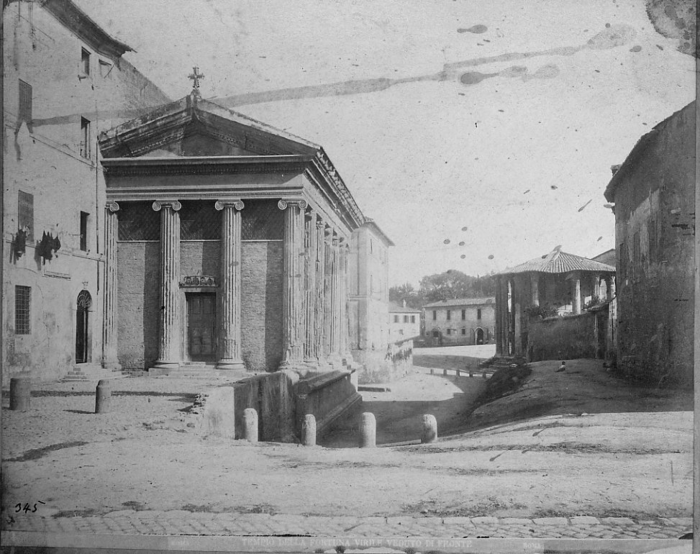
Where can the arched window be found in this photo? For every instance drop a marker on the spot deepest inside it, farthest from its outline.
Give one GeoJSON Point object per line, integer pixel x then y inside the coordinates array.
{"type": "Point", "coordinates": [82, 327]}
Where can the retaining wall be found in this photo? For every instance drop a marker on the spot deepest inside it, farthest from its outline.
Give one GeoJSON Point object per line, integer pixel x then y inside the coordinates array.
{"type": "Point", "coordinates": [562, 338]}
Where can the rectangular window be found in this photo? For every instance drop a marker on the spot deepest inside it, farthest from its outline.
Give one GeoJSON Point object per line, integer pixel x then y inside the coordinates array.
{"type": "Point", "coordinates": [396, 319]}
{"type": "Point", "coordinates": [434, 315]}
{"type": "Point", "coordinates": [449, 331]}
{"type": "Point", "coordinates": [25, 214]}
{"type": "Point", "coordinates": [84, 137]}
{"type": "Point", "coordinates": [85, 61]}
{"type": "Point", "coordinates": [449, 315]}
{"type": "Point", "coordinates": [464, 315]}
{"type": "Point", "coordinates": [23, 301]}
{"type": "Point", "coordinates": [413, 319]}
{"type": "Point", "coordinates": [464, 331]}
{"type": "Point", "coordinates": [84, 220]}
{"type": "Point", "coordinates": [478, 313]}
{"type": "Point", "coordinates": [25, 101]}
{"type": "Point", "coordinates": [405, 319]}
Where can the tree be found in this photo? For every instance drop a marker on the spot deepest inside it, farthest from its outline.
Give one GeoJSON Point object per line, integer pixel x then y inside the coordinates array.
{"type": "Point", "coordinates": [454, 284]}
{"type": "Point", "coordinates": [413, 298]}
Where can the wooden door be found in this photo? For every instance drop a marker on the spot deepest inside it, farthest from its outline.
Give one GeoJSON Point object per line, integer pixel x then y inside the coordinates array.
{"type": "Point", "coordinates": [201, 327]}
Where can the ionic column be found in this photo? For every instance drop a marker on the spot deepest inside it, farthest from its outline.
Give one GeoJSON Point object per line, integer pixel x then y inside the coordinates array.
{"type": "Point", "coordinates": [327, 292]}
{"type": "Point", "coordinates": [344, 332]}
{"type": "Point", "coordinates": [319, 305]}
{"type": "Point", "coordinates": [611, 287]}
{"type": "Point", "coordinates": [109, 327]}
{"type": "Point", "coordinates": [310, 293]}
{"type": "Point", "coordinates": [535, 288]}
{"type": "Point", "coordinates": [292, 303]}
{"type": "Point", "coordinates": [577, 294]}
{"type": "Point", "coordinates": [230, 319]}
{"type": "Point", "coordinates": [169, 345]}
{"type": "Point", "coordinates": [335, 298]}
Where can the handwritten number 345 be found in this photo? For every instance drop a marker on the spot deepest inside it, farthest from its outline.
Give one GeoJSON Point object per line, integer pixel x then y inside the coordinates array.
{"type": "Point", "coordinates": [26, 508]}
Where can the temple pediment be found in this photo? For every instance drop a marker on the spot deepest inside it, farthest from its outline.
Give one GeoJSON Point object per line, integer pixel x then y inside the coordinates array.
{"type": "Point", "coordinates": [196, 127]}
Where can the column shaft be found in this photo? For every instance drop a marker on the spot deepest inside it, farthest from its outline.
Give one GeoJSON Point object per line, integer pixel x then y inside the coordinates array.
{"type": "Point", "coordinates": [169, 344]}
{"type": "Point", "coordinates": [310, 294]}
{"type": "Point", "coordinates": [344, 338]}
{"type": "Point", "coordinates": [327, 293]}
{"type": "Point", "coordinates": [292, 304]}
{"type": "Point", "coordinates": [110, 315]}
{"type": "Point", "coordinates": [230, 319]}
{"type": "Point", "coordinates": [335, 298]}
{"type": "Point", "coordinates": [319, 305]}
{"type": "Point", "coordinates": [577, 294]}
{"type": "Point", "coordinates": [535, 288]}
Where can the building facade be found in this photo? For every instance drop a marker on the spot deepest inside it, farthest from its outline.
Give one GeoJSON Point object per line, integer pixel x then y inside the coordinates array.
{"type": "Point", "coordinates": [404, 322]}
{"type": "Point", "coordinates": [65, 81]}
{"type": "Point", "coordinates": [227, 244]}
{"type": "Point", "coordinates": [556, 284]}
{"type": "Point", "coordinates": [460, 321]}
{"type": "Point", "coordinates": [654, 196]}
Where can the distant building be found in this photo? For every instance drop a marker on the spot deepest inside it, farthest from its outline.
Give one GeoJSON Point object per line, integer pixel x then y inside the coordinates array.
{"type": "Point", "coordinates": [460, 321]}
{"type": "Point", "coordinates": [65, 81]}
{"type": "Point", "coordinates": [654, 196]}
{"type": "Point", "coordinates": [404, 322]}
{"type": "Point", "coordinates": [554, 284]}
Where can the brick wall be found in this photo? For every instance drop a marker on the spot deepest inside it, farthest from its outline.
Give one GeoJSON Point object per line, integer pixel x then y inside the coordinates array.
{"type": "Point", "coordinates": [261, 304]}
{"type": "Point", "coordinates": [139, 297]}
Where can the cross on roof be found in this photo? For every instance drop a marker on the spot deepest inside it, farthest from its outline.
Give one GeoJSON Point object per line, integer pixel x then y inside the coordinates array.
{"type": "Point", "coordinates": [195, 76]}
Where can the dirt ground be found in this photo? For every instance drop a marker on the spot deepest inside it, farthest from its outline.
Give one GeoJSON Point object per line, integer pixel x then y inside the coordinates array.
{"type": "Point", "coordinates": [575, 443]}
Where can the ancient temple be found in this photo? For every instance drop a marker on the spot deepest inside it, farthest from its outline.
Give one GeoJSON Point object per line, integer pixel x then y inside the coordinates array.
{"type": "Point", "coordinates": [227, 244]}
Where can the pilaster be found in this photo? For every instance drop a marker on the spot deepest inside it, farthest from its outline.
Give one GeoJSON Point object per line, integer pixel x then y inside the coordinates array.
{"type": "Point", "coordinates": [292, 302]}
{"type": "Point", "coordinates": [110, 315]}
{"type": "Point", "coordinates": [169, 343]}
{"type": "Point", "coordinates": [230, 319]}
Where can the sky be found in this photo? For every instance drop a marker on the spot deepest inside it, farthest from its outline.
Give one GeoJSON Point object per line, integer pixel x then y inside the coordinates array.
{"type": "Point", "coordinates": [477, 135]}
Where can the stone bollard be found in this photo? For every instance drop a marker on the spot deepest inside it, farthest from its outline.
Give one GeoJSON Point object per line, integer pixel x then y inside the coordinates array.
{"type": "Point", "coordinates": [444, 372]}
{"type": "Point", "coordinates": [250, 420]}
{"type": "Point", "coordinates": [471, 373]}
{"type": "Point", "coordinates": [432, 371]}
{"type": "Point", "coordinates": [20, 393]}
{"type": "Point", "coordinates": [103, 396]}
{"type": "Point", "coordinates": [457, 374]}
{"type": "Point", "coordinates": [368, 431]}
{"type": "Point", "coordinates": [308, 431]}
{"type": "Point", "coordinates": [484, 375]}
{"type": "Point", "coordinates": [429, 429]}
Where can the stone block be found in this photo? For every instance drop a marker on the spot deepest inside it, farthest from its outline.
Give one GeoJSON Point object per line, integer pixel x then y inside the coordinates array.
{"type": "Point", "coordinates": [616, 521]}
{"type": "Point", "coordinates": [216, 413]}
{"type": "Point", "coordinates": [484, 520]}
{"type": "Point", "coordinates": [584, 520]}
{"type": "Point", "coordinates": [551, 521]}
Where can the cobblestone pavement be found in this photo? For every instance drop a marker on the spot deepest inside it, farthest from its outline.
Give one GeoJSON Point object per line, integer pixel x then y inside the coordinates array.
{"type": "Point", "coordinates": [131, 522]}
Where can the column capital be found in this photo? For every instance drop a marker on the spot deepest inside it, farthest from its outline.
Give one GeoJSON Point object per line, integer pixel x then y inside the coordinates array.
{"type": "Point", "coordinates": [235, 203]}
{"type": "Point", "coordinates": [174, 204]}
{"type": "Point", "coordinates": [299, 202]}
{"type": "Point", "coordinates": [112, 206]}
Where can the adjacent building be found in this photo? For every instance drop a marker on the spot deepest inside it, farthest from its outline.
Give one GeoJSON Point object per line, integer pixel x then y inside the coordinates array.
{"type": "Point", "coordinates": [404, 322]}
{"type": "Point", "coordinates": [65, 81]}
{"type": "Point", "coordinates": [460, 321]}
{"type": "Point", "coordinates": [654, 196]}
{"type": "Point", "coordinates": [556, 284]}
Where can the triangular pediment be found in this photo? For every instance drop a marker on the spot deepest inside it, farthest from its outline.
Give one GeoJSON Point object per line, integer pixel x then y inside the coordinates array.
{"type": "Point", "coordinates": [195, 127]}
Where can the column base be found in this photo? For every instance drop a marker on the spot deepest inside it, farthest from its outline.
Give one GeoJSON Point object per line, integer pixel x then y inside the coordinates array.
{"type": "Point", "coordinates": [230, 364]}
{"type": "Point", "coordinates": [164, 364]}
{"type": "Point", "coordinates": [113, 365]}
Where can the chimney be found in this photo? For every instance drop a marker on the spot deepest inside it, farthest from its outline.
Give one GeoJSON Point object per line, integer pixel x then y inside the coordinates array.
{"type": "Point", "coordinates": [615, 168]}
{"type": "Point", "coordinates": [404, 302]}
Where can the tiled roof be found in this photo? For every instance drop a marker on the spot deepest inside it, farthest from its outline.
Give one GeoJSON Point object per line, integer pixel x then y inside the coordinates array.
{"type": "Point", "coordinates": [461, 302]}
{"type": "Point", "coordinates": [394, 307]}
{"type": "Point", "coordinates": [558, 262]}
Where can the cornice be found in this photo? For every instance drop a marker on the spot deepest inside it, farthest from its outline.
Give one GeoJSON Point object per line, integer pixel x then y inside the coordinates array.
{"type": "Point", "coordinates": [204, 165]}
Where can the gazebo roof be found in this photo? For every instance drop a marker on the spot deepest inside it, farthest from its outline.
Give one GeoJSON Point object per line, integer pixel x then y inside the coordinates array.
{"type": "Point", "coordinates": [559, 262]}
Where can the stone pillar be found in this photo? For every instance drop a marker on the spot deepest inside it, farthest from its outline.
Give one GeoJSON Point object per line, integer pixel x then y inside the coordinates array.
{"type": "Point", "coordinates": [310, 292]}
{"type": "Point", "coordinates": [109, 326]}
{"type": "Point", "coordinates": [327, 293]}
{"type": "Point", "coordinates": [319, 305]}
{"type": "Point", "coordinates": [230, 318]}
{"type": "Point", "coordinates": [292, 303]}
{"type": "Point", "coordinates": [344, 325]}
{"type": "Point", "coordinates": [500, 319]}
{"type": "Point", "coordinates": [610, 286]}
{"type": "Point", "coordinates": [535, 288]}
{"type": "Point", "coordinates": [335, 299]}
{"type": "Point", "coordinates": [577, 293]}
{"type": "Point", "coordinates": [169, 344]}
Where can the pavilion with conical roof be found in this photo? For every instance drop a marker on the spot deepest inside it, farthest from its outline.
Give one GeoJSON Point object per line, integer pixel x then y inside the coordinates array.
{"type": "Point", "coordinates": [555, 283]}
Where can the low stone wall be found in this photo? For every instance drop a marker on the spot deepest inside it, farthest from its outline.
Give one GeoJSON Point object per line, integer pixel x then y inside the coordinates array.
{"type": "Point", "coordinates": [281, 400]}
{"type": "Point", "coordinates": [562, 338]}
{"type": "Point", "coordinates": [330, 397]}
{"type": "Point", "coordinates": [385, 366]}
